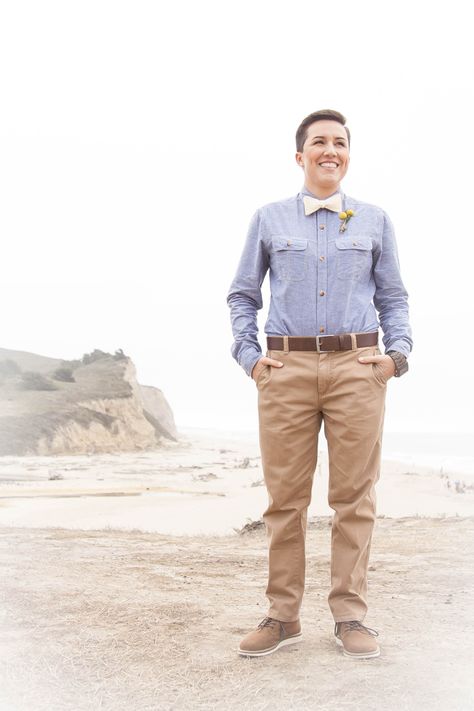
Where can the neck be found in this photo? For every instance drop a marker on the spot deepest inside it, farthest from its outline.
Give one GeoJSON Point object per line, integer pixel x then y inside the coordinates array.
{"type": "Point", "coordinates": [320, 191]}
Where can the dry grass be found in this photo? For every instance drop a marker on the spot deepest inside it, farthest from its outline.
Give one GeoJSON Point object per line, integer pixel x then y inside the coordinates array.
{"type": "Point", "coordinates": [127, 620]}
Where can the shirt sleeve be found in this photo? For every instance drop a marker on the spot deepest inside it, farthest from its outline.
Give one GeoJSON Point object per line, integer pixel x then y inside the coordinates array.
{"type": "Point", "coordinates": [391, 297]}
{"type": "Point", "coordinates": [244, 297]}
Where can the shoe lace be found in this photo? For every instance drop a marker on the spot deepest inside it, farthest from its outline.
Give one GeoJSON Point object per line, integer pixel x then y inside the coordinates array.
{"type": "Point", "coordinates": [268, 622]}
{"type": "Point", "coordinates": [355, 625]}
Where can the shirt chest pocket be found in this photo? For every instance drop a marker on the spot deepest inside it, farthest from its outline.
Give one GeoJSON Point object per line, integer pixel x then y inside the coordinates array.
{"type": "Point", "coordinates": [353, 257]}
{"type": "Point", "coordinates": [289, 257]}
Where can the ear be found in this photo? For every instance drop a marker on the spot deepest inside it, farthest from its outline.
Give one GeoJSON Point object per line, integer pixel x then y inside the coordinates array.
{"type": "Point", "coordinates": [299, 159]}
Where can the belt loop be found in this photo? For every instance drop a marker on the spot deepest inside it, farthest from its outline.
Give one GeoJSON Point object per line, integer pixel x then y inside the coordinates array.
{"type": "Point", "coordinates": [286, 346]}
{"type": "Point", "coordinates": [353, 341]}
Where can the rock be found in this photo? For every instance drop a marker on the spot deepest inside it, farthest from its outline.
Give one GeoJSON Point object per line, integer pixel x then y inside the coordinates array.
{"type": "Point", "coordinates": [158, 412]}
{"type": "Point", "coordinates": [205, 477]}
{"type": "Point", "coordinates": [250, 527]}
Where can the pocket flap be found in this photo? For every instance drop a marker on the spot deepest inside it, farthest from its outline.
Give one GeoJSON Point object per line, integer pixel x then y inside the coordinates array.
{"type": "Point", "coordinates": [288, 243]}
{"type": "Point", "coordinates": [354, 242]}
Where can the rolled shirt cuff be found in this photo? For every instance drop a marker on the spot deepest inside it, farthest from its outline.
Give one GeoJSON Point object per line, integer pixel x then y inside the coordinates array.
{"type": "Point", "coordinates": [400, 348]}
{"type": "Point", "coordinates": [249, 360]}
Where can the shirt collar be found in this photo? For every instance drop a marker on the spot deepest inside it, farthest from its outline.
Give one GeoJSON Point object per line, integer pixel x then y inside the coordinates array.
{"type": "Point", "coordinates": [304, 191]}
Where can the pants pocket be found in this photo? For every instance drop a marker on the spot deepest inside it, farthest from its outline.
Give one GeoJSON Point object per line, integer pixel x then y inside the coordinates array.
{"type": "Point", "coordinates": [378, 375]}
{"type": "Point", "coordinates": [262, 374]}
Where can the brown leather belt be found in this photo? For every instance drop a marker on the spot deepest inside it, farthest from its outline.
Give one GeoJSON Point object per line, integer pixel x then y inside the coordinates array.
{"type": "Point", "coordinates": [338, 342]}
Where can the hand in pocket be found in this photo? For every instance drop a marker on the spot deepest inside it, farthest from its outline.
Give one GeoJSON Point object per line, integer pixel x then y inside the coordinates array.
{"type": "Point", "coordinates": [260, 365]}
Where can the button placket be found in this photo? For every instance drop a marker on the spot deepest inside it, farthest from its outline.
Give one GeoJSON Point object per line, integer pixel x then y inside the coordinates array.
{"type": "Point", "coordinates": [321, 271]}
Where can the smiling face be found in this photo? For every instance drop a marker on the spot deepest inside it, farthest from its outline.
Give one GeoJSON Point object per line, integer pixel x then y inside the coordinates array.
{"type": "Point", "coordinates": [325, 157]}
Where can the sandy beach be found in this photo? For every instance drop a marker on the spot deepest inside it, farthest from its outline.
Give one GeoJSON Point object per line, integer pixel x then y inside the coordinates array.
{"type": "Point", "coordinates": [208, 482]}
{"type": "Point", "coordinates": [126, 586]}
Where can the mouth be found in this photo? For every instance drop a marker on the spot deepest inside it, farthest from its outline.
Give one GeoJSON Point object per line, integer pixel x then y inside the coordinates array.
{"type": "Point", "coordinates": [329, 164]}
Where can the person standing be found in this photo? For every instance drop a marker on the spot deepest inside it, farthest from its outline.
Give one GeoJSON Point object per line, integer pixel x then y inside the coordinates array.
{"type": "Point", "coordinates": [334, 280]}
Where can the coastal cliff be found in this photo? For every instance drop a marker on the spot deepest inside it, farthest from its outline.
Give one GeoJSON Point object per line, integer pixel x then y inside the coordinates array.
{"type": "Point", "coordinates": [92, 405]}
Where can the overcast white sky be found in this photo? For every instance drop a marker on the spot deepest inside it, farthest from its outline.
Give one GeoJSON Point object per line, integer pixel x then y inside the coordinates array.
{"type": "Point", "coordinates": [138, 138]}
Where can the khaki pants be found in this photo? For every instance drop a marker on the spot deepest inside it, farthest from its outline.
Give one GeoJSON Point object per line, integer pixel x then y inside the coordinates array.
{"type": "Point", "coordinates": [292, 401]}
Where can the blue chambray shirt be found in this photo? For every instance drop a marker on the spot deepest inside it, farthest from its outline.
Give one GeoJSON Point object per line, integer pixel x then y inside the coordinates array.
{"type": "Point", "coordinates": [322, 282]}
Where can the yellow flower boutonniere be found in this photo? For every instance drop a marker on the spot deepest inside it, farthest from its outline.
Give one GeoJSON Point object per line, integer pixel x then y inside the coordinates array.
{"type": "Point", "coordinates": [345, 217]}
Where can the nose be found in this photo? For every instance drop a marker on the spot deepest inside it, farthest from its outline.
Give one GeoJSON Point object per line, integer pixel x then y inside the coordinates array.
{"type": "Point", "coordinates": [330, 149]}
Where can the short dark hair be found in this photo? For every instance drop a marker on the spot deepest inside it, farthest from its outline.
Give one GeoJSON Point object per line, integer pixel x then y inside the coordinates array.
{"type": "Point", "coordinates": [322, 115]}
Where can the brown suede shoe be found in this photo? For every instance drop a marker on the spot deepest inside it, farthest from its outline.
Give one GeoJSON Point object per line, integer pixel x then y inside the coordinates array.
{"type": "Point", "coordinates": [356, 640]}
{"type": "Point", "coordinates": [269, 636]}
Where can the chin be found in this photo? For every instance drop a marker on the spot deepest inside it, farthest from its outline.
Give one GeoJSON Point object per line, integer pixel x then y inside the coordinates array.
{"type": "Point", "coordinates": [327, 180]}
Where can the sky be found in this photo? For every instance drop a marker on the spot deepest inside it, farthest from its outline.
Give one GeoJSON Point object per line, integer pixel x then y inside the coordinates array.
{"type": "Point", "coordinates": [138, 138]}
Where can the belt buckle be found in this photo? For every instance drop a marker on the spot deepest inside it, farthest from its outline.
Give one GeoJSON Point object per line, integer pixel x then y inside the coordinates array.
{"type": "Point", "coordinates": [318, 345]}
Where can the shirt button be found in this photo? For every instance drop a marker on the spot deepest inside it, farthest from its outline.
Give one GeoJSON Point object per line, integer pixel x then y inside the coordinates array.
{"type": "Point", "coordinates": [355, 244]}
{"type": "Point", "coordinates": [321, 293]}
{"type": "Point", "coordinates": [321, 259]}
{"type": "Point", "coordinates": [289, 242]}
{"type": "Point", "coordinates": [321, 227]}
{"type": "Point", "coordinates": [321, 329]}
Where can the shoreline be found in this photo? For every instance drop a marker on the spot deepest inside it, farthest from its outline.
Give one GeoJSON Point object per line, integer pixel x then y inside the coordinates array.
{"type": "Point", "coordinates": [202, 484]}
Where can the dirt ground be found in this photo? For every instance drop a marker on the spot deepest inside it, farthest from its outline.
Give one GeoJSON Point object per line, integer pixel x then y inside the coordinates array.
{"type": "Point", "coordinates": [121, 620]}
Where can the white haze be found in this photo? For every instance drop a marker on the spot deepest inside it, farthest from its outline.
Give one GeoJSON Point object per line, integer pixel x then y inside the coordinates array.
{"type": "Point", "coordinates": [138, 138]}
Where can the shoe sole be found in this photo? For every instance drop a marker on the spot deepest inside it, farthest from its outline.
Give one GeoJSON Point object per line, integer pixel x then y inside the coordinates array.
{"type": "Point", "coordinates": [358, 655]}
{"type": "Point", "coordinates": [261, 653]}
